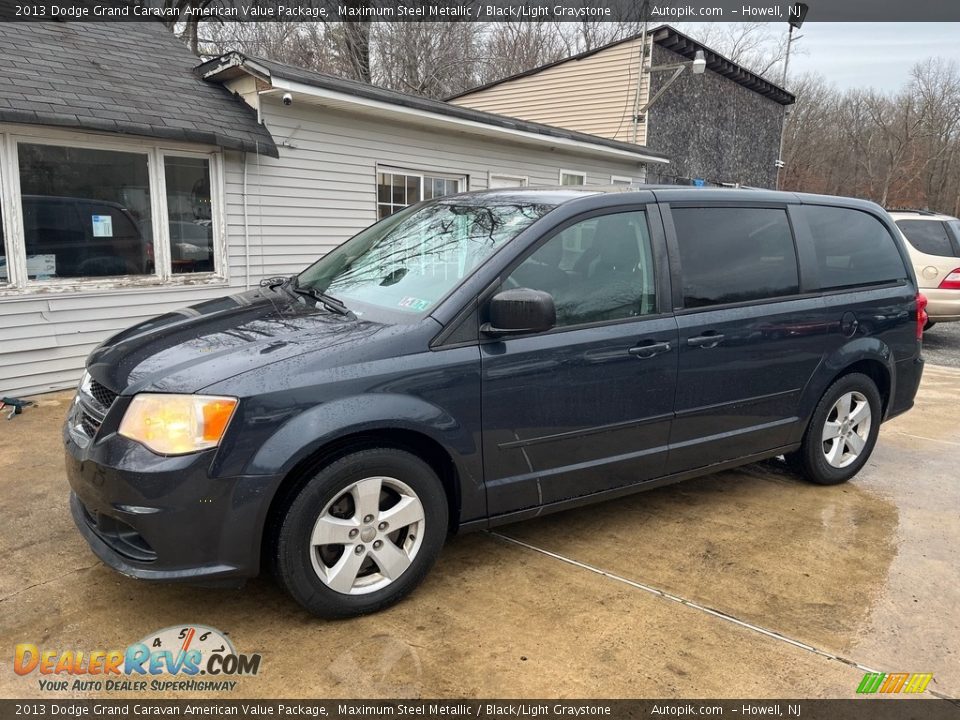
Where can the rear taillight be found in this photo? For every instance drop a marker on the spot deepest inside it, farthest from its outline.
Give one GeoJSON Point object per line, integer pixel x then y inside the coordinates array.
{"type": "Point", "coordinates": [921, 315]}
{"type": "Point", "coordinates": [951, 281]}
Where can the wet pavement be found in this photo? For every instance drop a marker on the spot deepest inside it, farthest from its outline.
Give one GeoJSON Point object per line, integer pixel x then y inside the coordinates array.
{"type": "Point", "coordinates": [744, 583]}
{"type": "Point", "coordinates": [941, 344]}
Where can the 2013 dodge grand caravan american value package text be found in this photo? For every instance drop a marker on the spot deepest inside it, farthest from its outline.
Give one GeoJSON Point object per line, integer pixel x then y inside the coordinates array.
{"type": "Point", "coordinates": [482, 358]}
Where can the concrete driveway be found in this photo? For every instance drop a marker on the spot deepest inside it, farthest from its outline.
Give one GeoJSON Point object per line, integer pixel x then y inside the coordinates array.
{"type": "Point", "coordinates": [745, 583]}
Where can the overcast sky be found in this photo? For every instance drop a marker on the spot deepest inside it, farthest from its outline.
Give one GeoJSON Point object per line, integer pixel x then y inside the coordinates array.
{"type": "Point", "coordinates": [876, 55]}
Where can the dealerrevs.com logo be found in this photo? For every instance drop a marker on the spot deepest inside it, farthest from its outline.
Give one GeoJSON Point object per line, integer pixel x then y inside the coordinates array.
{"type": "Point", "coordinates": [167, 660]}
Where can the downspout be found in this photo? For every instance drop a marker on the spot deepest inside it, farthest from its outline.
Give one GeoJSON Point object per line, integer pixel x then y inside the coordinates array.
{"type": "Point", "coordinates": [246, 228]}
{"type": "Point", "coordinates": [643, 62]}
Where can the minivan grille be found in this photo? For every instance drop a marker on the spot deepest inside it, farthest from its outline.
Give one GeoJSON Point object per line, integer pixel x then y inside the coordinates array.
{"type": "Point", "coordinates": [102, 394]}
{"type": "Point", "coordinates": [88, 423]}
{"type": "Point", "coordinates": [93, 401]}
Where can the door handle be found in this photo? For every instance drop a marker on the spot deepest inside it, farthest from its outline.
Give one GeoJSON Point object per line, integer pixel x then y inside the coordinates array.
{"type": "Point", "coordinates": [649, 350]}
{"type": "Point", "coordinates": [707, 340]}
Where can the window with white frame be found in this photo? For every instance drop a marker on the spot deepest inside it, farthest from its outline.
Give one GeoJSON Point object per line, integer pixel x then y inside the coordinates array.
{"type": "Point", "coordinates": [86, 213]}
{"type": "Point", "coordinates": [620, 180]}
{"type": "Point", "coordinates": [506, 181]}
{"type": "Point", "coordinates": [189, 214]}
{"type": "Point", "coordinates": [572, 177]}
{"type": "Point", "coordinates": [96, 210]}
{"type": "Point", "coordinates": [397, 189]}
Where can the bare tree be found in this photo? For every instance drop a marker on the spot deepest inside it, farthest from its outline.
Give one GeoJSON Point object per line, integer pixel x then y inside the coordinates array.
{"type": "Point", "coordinates": [810, 130]}
{"type": "Point", "coordinates": [759, 47]}
{"type": "Point", "coordinates": [587, 35]}
{"type": "Point", "coordinates": [324, 47]}
{"type": "Point", "coordinates": [428, 58]}
{"type": "Point", "coordinates": [513, 47]}
{"type": "Point", "coordinates": [936, 84]}
{"type": "Point", "coordinates": [356, 43]}
{"type": "Point", "coordinates": [900, 149]}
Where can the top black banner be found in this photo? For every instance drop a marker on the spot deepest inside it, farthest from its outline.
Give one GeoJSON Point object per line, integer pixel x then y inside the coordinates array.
{"type": "Point", "coordinates": [666, 11]}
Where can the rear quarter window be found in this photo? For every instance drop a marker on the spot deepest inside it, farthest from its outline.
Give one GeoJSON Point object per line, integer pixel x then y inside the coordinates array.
{"type": "Point", "coordinates": [853, 248]}
{"type": "Point", "coordinates": [927, 236]}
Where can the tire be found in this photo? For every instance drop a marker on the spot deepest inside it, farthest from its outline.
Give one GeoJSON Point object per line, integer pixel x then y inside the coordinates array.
{"type": "Point", "coordinates": [826, 460]}
{"type": "Point", "coordinates": [928, 326]}
{"type": "Point", "coordinates": [350, 500]}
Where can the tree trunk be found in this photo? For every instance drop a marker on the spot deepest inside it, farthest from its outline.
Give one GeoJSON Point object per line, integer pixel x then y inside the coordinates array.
{"type": "Point", "coordinates": [357, 36]}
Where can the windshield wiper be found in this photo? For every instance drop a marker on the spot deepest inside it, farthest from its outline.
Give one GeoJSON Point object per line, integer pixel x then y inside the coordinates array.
{"type": "Point", "coordinates": [276, 282]}
{"type": "Point", "coordinates": [328, 301]}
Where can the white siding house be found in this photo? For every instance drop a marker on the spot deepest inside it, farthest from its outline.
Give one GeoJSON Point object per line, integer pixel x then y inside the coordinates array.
{"type": "Point", "coordinates": [336, 147]}
{"type": "Point", "coordinates": [217, 212]}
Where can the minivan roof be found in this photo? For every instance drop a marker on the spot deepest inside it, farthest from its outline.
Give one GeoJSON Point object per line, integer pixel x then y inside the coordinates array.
{"type": "Point", "coordinates": [920, 215]}
{"type": "Point", "coordinates": [558, 195]}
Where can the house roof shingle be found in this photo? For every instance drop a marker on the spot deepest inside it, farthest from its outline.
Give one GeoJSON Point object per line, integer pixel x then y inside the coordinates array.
{"type": "Point", "coordinates": [129, 78]}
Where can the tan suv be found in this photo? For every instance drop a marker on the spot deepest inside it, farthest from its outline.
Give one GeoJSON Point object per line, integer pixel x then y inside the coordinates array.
{"type": "Point", "coordinates": [934, 244]}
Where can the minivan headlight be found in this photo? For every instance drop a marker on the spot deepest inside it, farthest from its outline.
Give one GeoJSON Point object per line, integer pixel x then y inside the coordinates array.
{"type": "Point", "coordinates": [177, 424]}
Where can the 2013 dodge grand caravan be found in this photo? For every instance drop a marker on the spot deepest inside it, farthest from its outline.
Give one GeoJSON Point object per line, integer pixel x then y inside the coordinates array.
{"type": "Point", "coordinates": [482, 358]}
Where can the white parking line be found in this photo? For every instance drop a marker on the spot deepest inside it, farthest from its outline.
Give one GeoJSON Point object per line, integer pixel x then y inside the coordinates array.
{"type": "Point", "coordinates": [921, 437]}
{"type": "Point", "coordinates": [683, 601]}
{"type": "Point", "coordinates": [697, 606]}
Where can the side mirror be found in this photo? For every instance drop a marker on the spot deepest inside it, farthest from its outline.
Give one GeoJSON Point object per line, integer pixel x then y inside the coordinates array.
{"type": "Point", "coordinates": [520, 311]}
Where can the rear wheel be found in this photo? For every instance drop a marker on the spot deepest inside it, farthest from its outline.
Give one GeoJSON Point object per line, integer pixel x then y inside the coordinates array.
{"type": "Point", "coordinates": [362, 533]}
{"type": "Point", "coordinates": [928, 325]}
{"type": "Point", "coordinates": [842, 432]}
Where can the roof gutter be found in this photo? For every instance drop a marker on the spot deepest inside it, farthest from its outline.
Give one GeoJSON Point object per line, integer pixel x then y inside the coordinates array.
{"type": "Point", "coordinates": [462, 124]}
{"type": "Point", "coordinates": [219, 68]}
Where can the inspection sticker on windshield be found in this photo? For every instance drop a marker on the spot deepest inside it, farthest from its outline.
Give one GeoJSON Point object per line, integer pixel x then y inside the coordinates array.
{"type": "Point", "coordinates": [412, 303]}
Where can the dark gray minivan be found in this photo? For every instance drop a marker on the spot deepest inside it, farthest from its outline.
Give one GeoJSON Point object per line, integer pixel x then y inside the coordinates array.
{"type": "Point", "coordinates": [482, 358]}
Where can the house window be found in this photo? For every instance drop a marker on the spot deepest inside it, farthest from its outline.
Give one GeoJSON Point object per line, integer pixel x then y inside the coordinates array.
{"type": "Point", "coordinates": [86, 213]}
{"type": "Point", "coordinates": [506, 181]}
{"type": "Point", "coordinates": [435, 187]}
{"type": "Point", "coordinates": [572, 177]}
{"type": "Point", "coordinates": [398, 189]}
{"type": "Point", "coordinates": [91, 211]}
{"type": "Point", "coordinates": [621, 180]}
{"type": "Point", "coordinates": [189, 214]}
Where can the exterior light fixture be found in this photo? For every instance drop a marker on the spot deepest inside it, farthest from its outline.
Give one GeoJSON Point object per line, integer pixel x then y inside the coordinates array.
{"type": "Point", "coordinates": [699, 64]}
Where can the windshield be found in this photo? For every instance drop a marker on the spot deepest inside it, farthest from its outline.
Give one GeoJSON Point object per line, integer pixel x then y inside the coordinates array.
{"type": "Point", "coordinates": [411, 260]}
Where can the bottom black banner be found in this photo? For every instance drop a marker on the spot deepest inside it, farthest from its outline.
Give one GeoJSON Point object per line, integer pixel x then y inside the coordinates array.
{"type": "Point", "coordinates": [855, 709]}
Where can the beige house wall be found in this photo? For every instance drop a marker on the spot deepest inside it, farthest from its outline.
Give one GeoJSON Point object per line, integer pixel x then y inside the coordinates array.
{"type": "Point", "coordinates": [595, 94]}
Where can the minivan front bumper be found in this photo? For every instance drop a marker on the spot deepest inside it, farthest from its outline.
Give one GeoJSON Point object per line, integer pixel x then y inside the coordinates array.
{"type": "Point", "coordinates": [165, 518]}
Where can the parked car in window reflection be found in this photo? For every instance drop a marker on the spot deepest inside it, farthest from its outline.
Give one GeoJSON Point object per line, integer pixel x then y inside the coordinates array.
{"type": "Point", "coordinates": [83, 237]}
{"type": "Point", "coordinates": [191, 246]}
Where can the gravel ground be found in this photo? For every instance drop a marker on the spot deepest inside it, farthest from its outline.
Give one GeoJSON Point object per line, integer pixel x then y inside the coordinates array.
{"type": "Point", "coordinates": [941, 344]}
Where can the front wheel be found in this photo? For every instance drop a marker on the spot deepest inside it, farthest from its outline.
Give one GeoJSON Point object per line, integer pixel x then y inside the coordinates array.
{"type": "Point", "coordinates": [362, 533]}
{"type": "Point", "coordinates": [842, 432]}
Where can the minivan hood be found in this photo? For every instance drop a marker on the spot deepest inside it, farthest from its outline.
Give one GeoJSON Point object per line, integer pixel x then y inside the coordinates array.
{"type": "Point", "coordinates": [191, 348]}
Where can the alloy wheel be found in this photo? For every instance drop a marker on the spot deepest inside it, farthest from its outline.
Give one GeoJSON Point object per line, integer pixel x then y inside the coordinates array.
{"type": "Point", "coordinates": [846, 429]}
{"type": "Point", "coordinates": [367, 536]}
